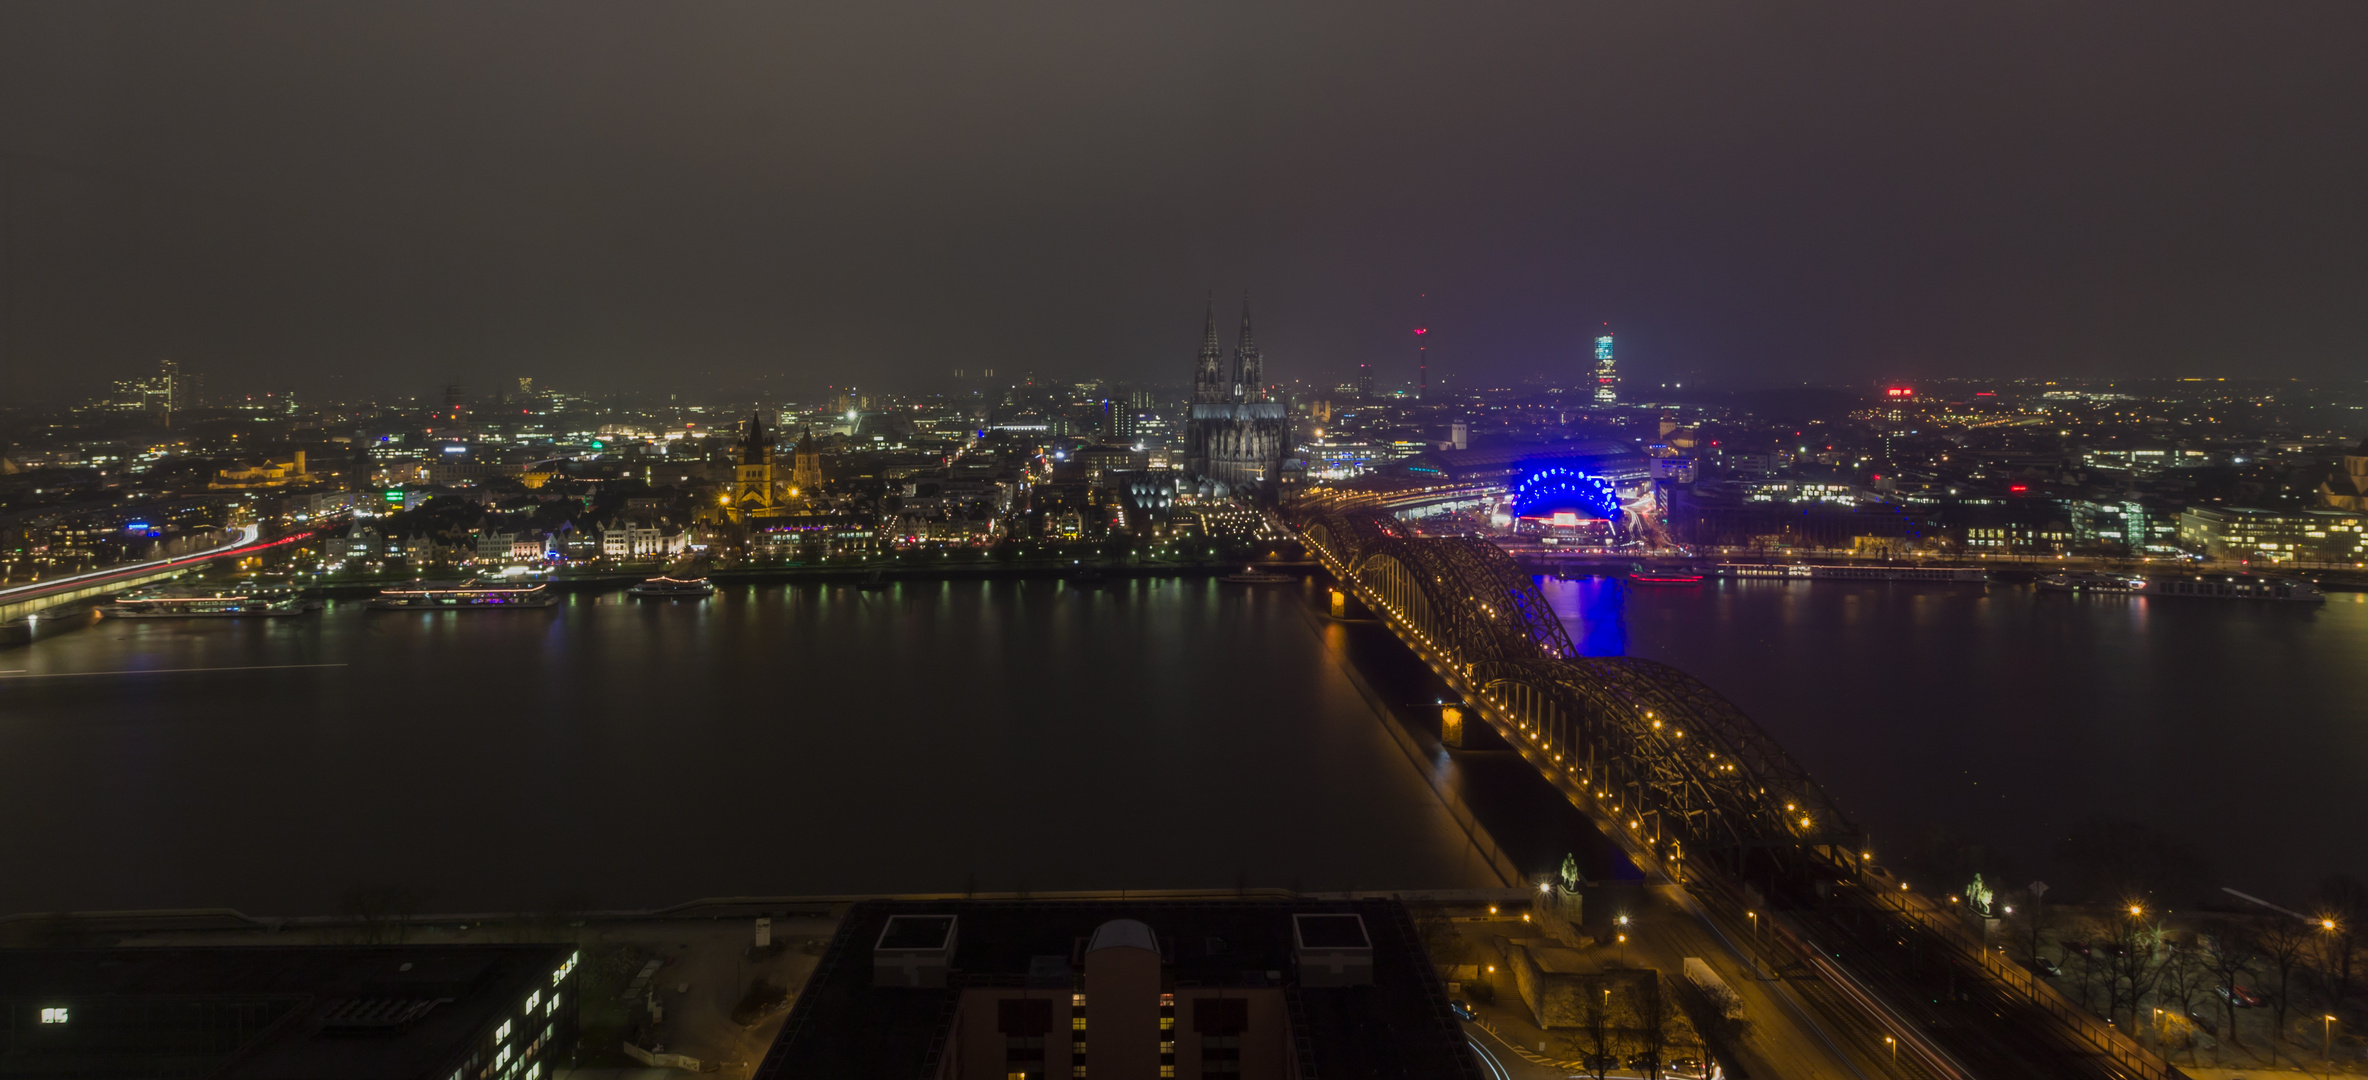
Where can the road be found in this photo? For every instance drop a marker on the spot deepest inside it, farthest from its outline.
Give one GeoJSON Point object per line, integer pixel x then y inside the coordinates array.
{"type": "Point", "coordinates": [28, 599]}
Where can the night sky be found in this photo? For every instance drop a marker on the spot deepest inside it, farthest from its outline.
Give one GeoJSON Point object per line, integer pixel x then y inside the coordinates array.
{"type": "Point", "coordinates": [382, 197]}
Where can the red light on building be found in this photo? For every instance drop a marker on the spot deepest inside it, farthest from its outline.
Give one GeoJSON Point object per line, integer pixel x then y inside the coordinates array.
{"type": "Point", "coordinates": [2017, 489]}
{"type": "Point", "coordinates": [1899, 392]}
{"type": "Point", "coordinates": [1422, 330]}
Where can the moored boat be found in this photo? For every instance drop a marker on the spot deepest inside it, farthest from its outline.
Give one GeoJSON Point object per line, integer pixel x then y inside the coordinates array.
{"type": "Point", "coordinates": [1637, 574]}
{"type": "Point", "coordinates": [475, 594]}
{"type": "Point", "coordinates": [2116, 584]}
{"type": "Point", "coordinates": [2237, 588]}
{"type": "Point", "coordinates": [663, 587]}
{"type": "Point", "coordinates": [235, 599]}
{"type": "Point", "coordinates": [1251, 575]}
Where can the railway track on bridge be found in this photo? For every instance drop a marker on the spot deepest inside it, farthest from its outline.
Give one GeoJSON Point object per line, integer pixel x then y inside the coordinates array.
{"type": "Point", "coordinates": [1699, 797]}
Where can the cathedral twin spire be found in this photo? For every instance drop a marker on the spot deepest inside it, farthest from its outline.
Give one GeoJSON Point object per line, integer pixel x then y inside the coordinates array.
{"type": "Point", "coordinates": [1217, 381]}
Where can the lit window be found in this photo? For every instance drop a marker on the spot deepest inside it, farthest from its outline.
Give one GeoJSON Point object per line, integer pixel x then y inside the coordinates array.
{"type": "Point", "coordinates": [502, 1032]}
{"type": "Point", "coordinates": [533, 1000]}
{"type": "Point", "coordinates": [53, 1016]}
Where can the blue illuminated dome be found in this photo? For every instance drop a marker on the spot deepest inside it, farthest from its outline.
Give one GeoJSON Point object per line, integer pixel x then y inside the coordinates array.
{"type": "Point", "coordinates": [1543, 491]}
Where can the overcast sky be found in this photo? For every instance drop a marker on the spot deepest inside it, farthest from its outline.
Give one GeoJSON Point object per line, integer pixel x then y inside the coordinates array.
{"type": "Point", "coordinates": [387, 196]}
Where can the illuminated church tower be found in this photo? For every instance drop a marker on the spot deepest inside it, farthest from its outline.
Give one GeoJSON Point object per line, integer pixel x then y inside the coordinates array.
{"type": "Point", "coordinates": [753, 490]}
{"type": "Point", "coordinates": [805, 475]}
{"type": "Point", "coordinates": [1235, 437]}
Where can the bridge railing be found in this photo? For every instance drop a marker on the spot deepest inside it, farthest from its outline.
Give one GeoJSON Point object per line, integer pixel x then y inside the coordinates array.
{"type": "Point", "coordinates": [2096, 1034]}
{"type": "Point", "coordinates": [1948, 928]}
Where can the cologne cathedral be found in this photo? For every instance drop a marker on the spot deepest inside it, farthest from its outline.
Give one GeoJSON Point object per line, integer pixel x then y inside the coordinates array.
{"type": "Point", "coordinates": [1235, 437]}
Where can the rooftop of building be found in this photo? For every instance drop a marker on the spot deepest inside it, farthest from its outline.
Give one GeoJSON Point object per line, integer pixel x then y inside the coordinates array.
{"type": "Point", "coordinates": [844, 1026]}
{"type": "Point", "coordinates": [264, 1013]}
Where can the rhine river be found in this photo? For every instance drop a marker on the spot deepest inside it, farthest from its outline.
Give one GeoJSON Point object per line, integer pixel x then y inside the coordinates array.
{"type": "Point", "coordinates": [1167, 733]}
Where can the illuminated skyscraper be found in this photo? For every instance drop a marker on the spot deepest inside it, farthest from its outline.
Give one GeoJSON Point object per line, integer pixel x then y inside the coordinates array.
{"type": "Point", "coordinates": [1607, 375]}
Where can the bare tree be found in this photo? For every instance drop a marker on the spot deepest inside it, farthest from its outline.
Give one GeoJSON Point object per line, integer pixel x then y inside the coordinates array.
{"type": "Point", "coordinates": [2182, 983]}
{"type": "Point", "coordinates": [1652, 1020]}
{"type": "Point", "coordinates": [2132, 961]}
{"type": "Point", "coordinates": [2343, 904]}
{"type": "Point", "coordinates": [2284, 943]}
{"type": "Point", "coordinates": [2036, 917]}
{"type": "Point", "coordinates": [1599, 1027]}
{"type": "Point", "coordinates": [2229, 962]}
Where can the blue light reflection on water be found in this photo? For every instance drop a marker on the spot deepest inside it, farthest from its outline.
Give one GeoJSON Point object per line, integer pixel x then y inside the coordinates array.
{"type": "Point", "coordinates": [2005, 714]}
{"type": "Point", "coordinates": [1595, 613]}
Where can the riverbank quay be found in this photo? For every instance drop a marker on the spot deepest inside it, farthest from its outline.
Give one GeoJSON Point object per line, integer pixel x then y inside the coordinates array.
{"type": "Point", "coordinates": [882, 571]}
{"type": "Point", "coordinates": [2004, 569]}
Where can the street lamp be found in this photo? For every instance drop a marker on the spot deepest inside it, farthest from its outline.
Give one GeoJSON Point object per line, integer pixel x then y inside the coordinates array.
{"type": "Point", "coordinates": [1755, 942]}
{"type": "Point", "coordinates": [2327, 1041]}
{"type": "Point", "coordinates": [1894, 1044]}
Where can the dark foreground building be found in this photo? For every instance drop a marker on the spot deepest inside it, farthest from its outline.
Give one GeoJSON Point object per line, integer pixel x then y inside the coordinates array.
{"type": "Point", "coordinates": [1122, 991]}
{"type": "Point", "coordinates": [452, 1012]}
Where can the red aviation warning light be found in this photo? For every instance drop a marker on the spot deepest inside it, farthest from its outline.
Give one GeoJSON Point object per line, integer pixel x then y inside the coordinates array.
{"type": "Point", "coordinates": [1421, 330]}
{"type": "Point", "coordinates": [1899, 392]}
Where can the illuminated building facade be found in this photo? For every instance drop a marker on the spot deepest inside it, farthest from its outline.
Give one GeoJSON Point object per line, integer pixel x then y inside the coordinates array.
{"type": "Point", "coordinates": [374, 1012]}
{"type": "Point", "coordinates": [1607, 373]}
{"type": "Point", "coordinates": [753, 490]}
{"type": "Point", "coordinates": [2275, 536]}
{"type": "Point", "coordinates": [805, 475]}
{"type": "Point", "coordinates": [2348, 490]}
{"type": "Point", "coordinates": [1234, 437]}
{"type": "Point", "coordinates": [1248, 989]}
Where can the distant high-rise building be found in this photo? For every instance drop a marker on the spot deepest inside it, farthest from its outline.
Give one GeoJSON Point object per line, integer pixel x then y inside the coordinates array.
{"type": "Point", "coordinates": [1607, 374]}
{"type": "Point", "coordinates": [169, 390]}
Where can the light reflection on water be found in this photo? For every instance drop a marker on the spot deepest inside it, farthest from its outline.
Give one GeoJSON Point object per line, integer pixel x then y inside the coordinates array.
{"type": "Point", "coordinates": [2004, 713]}
{"type": "Point", "coordinates": [808, 740]}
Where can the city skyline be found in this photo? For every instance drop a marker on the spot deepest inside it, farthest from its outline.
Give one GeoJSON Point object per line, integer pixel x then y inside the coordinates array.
{"type": "Point", "coordinates": [1232, 542]}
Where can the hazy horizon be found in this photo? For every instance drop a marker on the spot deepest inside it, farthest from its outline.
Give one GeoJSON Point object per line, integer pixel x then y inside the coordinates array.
{"type": "Point", "coordinates": [364, 199]}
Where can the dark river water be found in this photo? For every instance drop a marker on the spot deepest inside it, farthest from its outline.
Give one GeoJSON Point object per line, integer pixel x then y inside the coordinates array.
{"type": "Point", "coordinates": [1028, 735]}
{"type": "Point", "coordinates": [2004, 715]}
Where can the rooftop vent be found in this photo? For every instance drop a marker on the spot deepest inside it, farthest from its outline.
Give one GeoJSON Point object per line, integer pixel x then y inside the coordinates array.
{"type": "Point", "coordinates": [363, 1016]}
{"type": "Point", "coordinates": [1332, 950]}
{"type": "Point", "coordinates": [914, 950]}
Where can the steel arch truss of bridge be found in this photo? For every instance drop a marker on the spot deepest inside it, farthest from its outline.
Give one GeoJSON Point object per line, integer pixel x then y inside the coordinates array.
{"type": "Point", "coordinates": [1688, 779]}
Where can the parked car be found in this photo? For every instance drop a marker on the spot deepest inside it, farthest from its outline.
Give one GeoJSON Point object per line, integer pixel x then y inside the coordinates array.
{"type": "Point", "coordinates": [1462, 1010]}
{"type": "Point", "coordinates": [1682, 1066]}
{"type": "Point", "coordinates": [2239, 996]}
{"type": "Point", "coordinates": [2080, 947]}
{"type": "Point", "coordinates": [2044, 967]}
{"type": "Point", "coordinates": [1598, 1062]}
